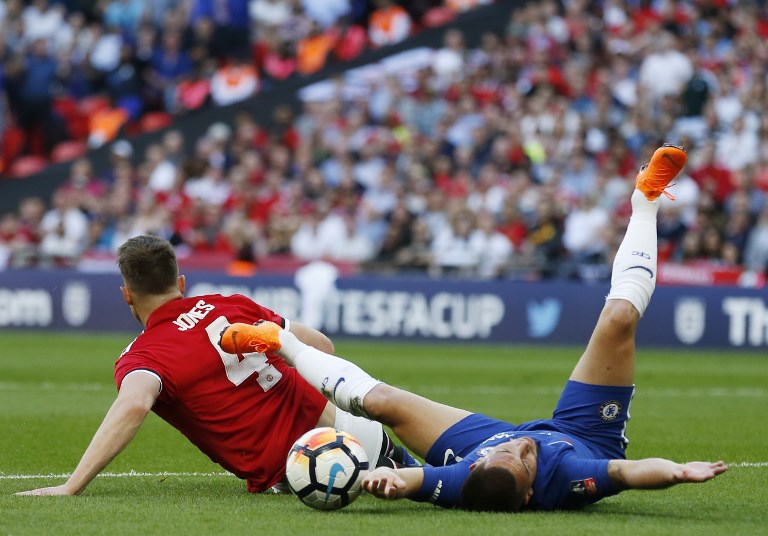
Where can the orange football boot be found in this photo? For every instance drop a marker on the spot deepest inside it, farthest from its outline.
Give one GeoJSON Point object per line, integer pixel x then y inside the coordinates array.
{"type": "Point", "coordinates": [655, 176]}
{"type": "Point", "coordinates": [241, 338]}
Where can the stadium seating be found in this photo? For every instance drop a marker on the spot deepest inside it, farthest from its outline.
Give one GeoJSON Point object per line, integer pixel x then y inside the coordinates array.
{"type": "Point", "coordinates": [13, 140]}
{"type": "Point", "coordinates": [27, 165]}
{"type": "Point", "coordinates": [154, 121]}
{"type": "Point", "coordinates": [68, 150]}
{"type": "Point", "coordinates": [437, 16]}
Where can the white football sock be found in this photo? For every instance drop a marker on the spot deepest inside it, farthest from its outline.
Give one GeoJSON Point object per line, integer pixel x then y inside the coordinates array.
{"type": "Point", "coordinates": [341, 382]}
{"type": "Point", "coordinates": [635, 266]}
{"type": "Point", "coordinates": [370, 434]}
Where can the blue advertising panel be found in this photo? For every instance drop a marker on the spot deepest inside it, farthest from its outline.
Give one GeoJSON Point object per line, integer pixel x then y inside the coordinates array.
{"type": "Point", "coordinates": [410, 309]}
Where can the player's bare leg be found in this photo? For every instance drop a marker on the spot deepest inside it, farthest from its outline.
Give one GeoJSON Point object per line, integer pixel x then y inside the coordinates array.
{"type": "Point", "coordinates": [417, 421]}
{"type": "Point", "coordinates": [610, 355]}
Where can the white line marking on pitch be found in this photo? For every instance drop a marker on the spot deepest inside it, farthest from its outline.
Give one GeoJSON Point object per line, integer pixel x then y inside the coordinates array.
{"type": "Point", "coordinates": [113, 475]}
{"type": "Point", "coordinates": [489, 390]}
{"type": "Point", "coordinates": [215, 474]}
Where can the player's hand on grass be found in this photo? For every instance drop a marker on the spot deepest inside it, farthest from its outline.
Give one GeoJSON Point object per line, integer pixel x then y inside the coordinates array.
{"type": "Point", "coordinates": [54, 490]}
{"type": "Point", "coordinates": [384, 483]}
{"type": "Point", "coordinates": [700, 471]}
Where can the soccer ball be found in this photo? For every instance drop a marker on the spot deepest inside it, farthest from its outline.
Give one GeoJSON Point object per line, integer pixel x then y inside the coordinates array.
{"type": "Point", "coordinates": [325, 468]}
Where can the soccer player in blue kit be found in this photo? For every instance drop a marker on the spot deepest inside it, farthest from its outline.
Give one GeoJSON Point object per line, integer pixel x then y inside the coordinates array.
{"type": "Point", "coordinates": [479, 463]}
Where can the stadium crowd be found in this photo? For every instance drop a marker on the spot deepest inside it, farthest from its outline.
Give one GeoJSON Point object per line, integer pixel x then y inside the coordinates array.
{"type": "Point", "coordinates": [511, 159]}
{"type": "Point", "coordinates": [89, 70]}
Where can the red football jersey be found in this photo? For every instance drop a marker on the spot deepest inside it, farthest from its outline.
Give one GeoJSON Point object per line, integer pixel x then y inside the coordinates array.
{"type": "Point", "coordinates": [244, 414]}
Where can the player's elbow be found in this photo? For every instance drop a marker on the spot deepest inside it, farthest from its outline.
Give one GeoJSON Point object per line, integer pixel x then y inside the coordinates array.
{"type": "Point", "coordinates": [135, 405]}
{"type": "Point", "coordinates": [138, 408]}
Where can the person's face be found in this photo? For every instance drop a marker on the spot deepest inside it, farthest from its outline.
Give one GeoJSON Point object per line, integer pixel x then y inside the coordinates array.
{"type": "Point", "coordinates": [519, 457]}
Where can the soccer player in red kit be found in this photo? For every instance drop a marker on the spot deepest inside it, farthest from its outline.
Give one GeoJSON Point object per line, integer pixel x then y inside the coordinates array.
{"type": "Point", "coordinates": [244, 410]}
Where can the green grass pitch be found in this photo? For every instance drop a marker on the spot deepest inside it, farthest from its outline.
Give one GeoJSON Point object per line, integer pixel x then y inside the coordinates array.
{"type": "Point", "coordinates": [56, 388]}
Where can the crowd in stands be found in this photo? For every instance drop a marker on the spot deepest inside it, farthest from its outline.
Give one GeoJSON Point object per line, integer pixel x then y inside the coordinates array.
{"type": "Point", "coordinates": [513, 159]}
{"type": "Point", "coordinates": [76, 74]}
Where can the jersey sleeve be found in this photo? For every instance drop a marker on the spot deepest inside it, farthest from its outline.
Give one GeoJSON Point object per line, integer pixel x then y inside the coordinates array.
{"type": "Point", "coordinates": [583, 481]}
{"type": "Point", "coordinates": [132, 362]}
{"type": "Point", "coordinates": [442, 485]}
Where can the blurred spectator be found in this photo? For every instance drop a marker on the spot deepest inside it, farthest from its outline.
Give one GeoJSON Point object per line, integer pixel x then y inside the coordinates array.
{"type": "Point", "coordinates": [312, 51]}
{"type": "Point", "coordinates": [212, 188]}
{"type": "Point", "coordinates": [711, 176]}
{"type": "Point", "coordinates": [106, 124]}
{"type": "Point", "coordinates": [233, 81]}
{"type": "Point", "coordinates": [666, 70]}
{"type": "Point", "coordinates": [124, 14]}
{"type": "Point", "coordinates": [42, 20]}
{"type": "Point", "coordinates": [745, 197]}
{"type": "Point", "coordinates": [308, 242]}
{"type": "Point", "coordinates": [452, 251]}
{"type": "Point", "coordinates": [124, 84]}
{"type": "Point", "coordinates": [350, 245]}
{"type": "Point", "coordinates": [104, 55]}
{"type": "Point", "coordinates": [326, 12]}
{"type": "Point", "coordinates": [582, 232]}
{"type": "Point", "coordinates": [738, 146]}
{"type": "Point", "coordinates": [448, 61]}
{"type": "Point", "coordinates": [544, 247]}
{"type": "Point", "coordinates": [86, 189]}
{"type": "Point", "coordinates": [388, 23]}
{"type": "Point", "coordinates": [493, 249]}
{"type": "Point", "coordinates": [35, 83]}
{"type": "Point", "coordinates": [417, 255]}
{"type": "Point", "coordinates": [686, 193]}
{"type": "Point", "coordinates": [231, 23]}
{"type": "Point", "coordinates": [756, 248]}
{"type": "Point", "coordinates": [167, 67]}
{"type": "Point", "coordinates": [269, 13]}
{"type": "Point", "coordinates": [64, 232]}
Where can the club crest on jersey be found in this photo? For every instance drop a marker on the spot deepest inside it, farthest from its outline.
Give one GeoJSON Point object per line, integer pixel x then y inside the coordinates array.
{"type": "Point", "coordinates": [610, 410]}
{"type": "Point", "coordinates": [482, 453]}
{"type": "Point", "coordinates": [588, 486]}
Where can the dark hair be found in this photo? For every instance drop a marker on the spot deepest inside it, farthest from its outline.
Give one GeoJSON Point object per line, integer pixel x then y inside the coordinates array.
{"type": "Point", "coordinates": [148, 265]}
{"type": "Point", "coordinates": [491, 489]}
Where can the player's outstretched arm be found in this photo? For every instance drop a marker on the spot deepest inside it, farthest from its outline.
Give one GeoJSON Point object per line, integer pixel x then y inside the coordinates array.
{"type": "Point", "coordinates": [391, 484]}
{"type": "Point", "coordinates": [657, 473]}
{"type": "Point", "coordinates": [136, 398]}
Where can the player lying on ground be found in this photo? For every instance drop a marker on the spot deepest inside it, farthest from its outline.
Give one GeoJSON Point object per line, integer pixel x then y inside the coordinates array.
{"type": "Point", "coordinates": [573, 459]}
{"type": "Point", "coordinates": [243, 409]}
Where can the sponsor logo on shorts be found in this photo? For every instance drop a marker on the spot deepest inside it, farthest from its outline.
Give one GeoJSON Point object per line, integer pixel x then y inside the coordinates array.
{"type": "Point", "coordinates": [588, 486]}
{"type": "Point", "coordinates": [610, 410]}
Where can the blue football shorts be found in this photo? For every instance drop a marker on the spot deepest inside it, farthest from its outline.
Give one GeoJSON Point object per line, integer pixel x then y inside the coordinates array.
{"type": "Point", "coordinates": [596, 415]}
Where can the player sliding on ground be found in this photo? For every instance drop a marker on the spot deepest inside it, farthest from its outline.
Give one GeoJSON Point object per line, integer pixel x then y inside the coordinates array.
{"type": "Point", "coordinates": [243, 410]}
{"type": "Point", "coordinates": [476, 462]}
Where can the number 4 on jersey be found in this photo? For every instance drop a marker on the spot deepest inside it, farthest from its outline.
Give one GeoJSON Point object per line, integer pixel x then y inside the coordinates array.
{"type": "Point", "coordinates": [238, 371]}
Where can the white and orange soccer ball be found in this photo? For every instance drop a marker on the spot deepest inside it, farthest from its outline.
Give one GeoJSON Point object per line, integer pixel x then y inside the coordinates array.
{"type": "Point", "coordinates": [325, 468]}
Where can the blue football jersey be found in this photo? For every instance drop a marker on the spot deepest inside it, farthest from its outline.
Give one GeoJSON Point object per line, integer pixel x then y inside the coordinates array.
{"type": "Point", "coordinates": [585, 432]}
{"type": "Point", "coordinates": [568, 474]}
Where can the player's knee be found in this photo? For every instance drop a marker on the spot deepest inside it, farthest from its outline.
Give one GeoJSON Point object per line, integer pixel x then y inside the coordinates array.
{"type": "Point", "coordinates": [621, 316]}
